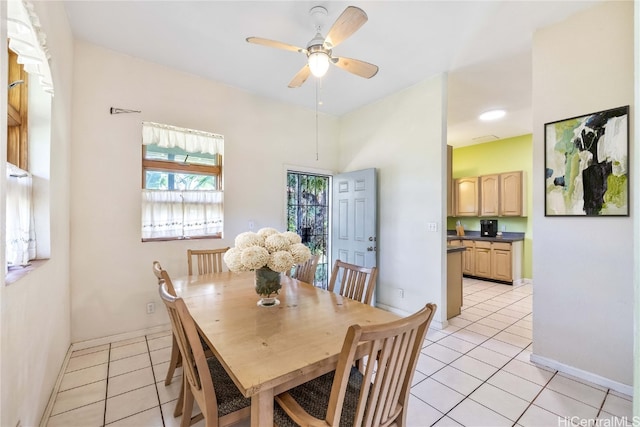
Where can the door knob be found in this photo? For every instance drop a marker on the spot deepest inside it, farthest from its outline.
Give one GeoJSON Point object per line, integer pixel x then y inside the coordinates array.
{"type": "Point", "coordinates": [372, 249]}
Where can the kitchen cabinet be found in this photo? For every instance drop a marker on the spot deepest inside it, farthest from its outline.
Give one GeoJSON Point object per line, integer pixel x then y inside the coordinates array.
{"type": "Point", "coordinates": [450, 208]}
{"type": "Point", "coordinates": [469, 258]}
{"type": "Point", "coordinates": [466, 196]}
{"type": "Point", "coordinates": [501, 261]}
{"type": "Point", "coordinates": [496, 195]}
{"type": "Point", "coordinates": [489, 195]}
{"type": "Point", "coordinates": [454, 283]}
{"type": "Point", "coordinates": [512, 194]}
{"type": "Point", "coordinates": [483, 259]}
{"type": "Point", "coordinates": [491, 260]}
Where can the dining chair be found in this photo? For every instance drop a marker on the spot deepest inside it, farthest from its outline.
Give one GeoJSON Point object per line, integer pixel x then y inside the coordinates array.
{"type": "Point", "coordinates": [204, 379]}
{"type": "Point", "coordinates": [353, 281]}
{"type": "Point", "coordinates": [176, 359]}
{"type": "Point", "coordinates": [376, 397]}
{"type": "Point", "coordinates": [207, 260]}
{"type": "Point", "coordinates": [305, 272]}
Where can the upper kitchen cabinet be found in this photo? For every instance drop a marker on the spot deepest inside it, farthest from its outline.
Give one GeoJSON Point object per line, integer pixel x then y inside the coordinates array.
{"type": "Point", "coordinates": [466, 196]}
{"type": "Point", "coordinates": [512, 194]}
{"type": "Point", "coordinates": [502, 194]}
{"type": "Point", "coordinates": [497, 195]}
{"type": "Point", "coordinates": [489, 195]}
{"type": "Point", "coordinates": [450, 208]}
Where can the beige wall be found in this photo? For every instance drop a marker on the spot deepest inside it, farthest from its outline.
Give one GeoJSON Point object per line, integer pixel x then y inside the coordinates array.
{"type": "Point", "coordinates": [403, 136]}
{"type": "Point", "coordinates": [35, 309]}
{"type": "Point", "coordinates": [110, 268]}
{"type": "Point", "coordinates": [635, 182]}
{"type": "Point", "coordinates": [583, 267]}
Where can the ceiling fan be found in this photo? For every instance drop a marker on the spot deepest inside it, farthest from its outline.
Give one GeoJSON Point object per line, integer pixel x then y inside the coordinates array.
{"type": "Point", "coordinates": [319, 50]}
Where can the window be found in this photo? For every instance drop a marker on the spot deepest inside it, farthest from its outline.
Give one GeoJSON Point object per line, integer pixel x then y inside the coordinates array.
{"type": "Point", "coordinates": [28, 140]}
{"type": "Point", "coordinates": [181, 183]}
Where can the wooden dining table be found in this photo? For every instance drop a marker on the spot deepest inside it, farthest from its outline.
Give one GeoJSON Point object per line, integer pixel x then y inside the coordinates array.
{"type": "Point", "coordinates": [268, 350]}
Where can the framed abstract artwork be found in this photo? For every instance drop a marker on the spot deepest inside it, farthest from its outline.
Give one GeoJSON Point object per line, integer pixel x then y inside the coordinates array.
{"type": "Point", "coordinates": [587, 165]}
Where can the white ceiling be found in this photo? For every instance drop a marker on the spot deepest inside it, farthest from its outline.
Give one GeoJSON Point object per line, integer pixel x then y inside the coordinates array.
{"type": "Point", "coordinates": [485, 46]}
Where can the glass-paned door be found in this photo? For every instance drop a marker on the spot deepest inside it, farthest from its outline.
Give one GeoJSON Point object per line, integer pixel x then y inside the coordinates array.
{"type": "Point", "coordinates": [308, 215]}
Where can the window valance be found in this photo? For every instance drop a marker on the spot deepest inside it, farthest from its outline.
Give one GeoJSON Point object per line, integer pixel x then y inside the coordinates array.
{"type": "Point", "coordinates": [192, 141]}
{"type": "Point", "coordinates": [28, 41]}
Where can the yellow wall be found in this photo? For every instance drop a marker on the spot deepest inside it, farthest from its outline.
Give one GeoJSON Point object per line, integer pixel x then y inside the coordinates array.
{"type": "Point", "coordinates": [505, 155]}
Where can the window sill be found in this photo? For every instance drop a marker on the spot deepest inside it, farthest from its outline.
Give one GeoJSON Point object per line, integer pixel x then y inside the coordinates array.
{"type": "Point", "coordinates": [17, 273]}
{"type": "Point", "coordinates": [167, 239]}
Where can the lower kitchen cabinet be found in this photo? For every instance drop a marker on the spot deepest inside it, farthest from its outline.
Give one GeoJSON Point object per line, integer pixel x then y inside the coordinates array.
{"type": "Point", "coordinates": [469, 258]}
{"type": "Point", "coordinates": [500, 261]}
{"type": "Point", "coordinates": [483, 259]}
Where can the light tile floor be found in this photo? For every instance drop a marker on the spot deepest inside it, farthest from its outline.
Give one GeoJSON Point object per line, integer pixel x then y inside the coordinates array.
{"type": "Point", "coordinates": [476, 372]}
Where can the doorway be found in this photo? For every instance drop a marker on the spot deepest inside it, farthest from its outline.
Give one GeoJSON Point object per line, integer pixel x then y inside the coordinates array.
{"type": "Point", "coordinates": [308, 212]}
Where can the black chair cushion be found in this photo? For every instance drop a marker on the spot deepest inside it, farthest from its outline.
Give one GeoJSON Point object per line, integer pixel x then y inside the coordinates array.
{"type": "Point", "coordinates": [314, 395]}
{"type": "Point", "coordinates": [229, 397]}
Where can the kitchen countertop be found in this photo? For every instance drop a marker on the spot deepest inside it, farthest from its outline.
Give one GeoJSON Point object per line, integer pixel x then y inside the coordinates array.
{"type": "Point", "coordinates": [455, 248]}
{"type": "Point", "coordinates": [475, 235]}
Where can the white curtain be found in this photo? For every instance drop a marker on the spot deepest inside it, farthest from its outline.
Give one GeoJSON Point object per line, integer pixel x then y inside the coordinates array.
{"type": "Point", "coordinates": [193, 141]}
{"type": "Point", "coordinates": [27, 39]}
{"type": "Point", "coordinates": [20, 231]}
{"type": "Point", "coordinates": [179, 214]}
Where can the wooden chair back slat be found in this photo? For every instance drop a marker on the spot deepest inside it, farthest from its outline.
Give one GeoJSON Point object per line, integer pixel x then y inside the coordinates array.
{"type": "Point", "coordinates": [305, 272]}
{"type": "Point", "coordinates": [354, 281]}
{"type": "Point", "coordinates": [206, 260]}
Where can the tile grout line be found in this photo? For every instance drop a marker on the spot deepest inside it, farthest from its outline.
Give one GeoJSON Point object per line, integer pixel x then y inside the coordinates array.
{"type": "Point", "coordinates": [601, 409]}
{"type": "Point", "coordinates": [155, 383]}
{"type": "Point", "coordinates": [535, 397]}
{"type": "Point", "coordinates": [106, 389]}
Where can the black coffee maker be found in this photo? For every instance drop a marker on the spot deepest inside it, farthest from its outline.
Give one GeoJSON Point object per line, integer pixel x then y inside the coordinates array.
{"type": "Point", "coordinates": [488, 227]}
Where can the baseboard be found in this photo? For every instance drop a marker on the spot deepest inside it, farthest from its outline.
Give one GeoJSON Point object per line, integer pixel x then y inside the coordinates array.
{"type": "Point", "coordinates": [521, 282]}
{"type": "Point", "coordinates": [435, 324]}
{"type": "Point", "coordinates": [584, 375]}
{"type": "Point", "coordinates": [52, 398]}
{"type": "Point", "coordinates": [393, 310]}
{"type": "Point", "coordinates": [81, 345]}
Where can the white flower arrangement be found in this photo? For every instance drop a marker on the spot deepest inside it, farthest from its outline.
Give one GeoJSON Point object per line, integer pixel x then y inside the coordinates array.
{"type": "Point", "coordinates": [266, 248]}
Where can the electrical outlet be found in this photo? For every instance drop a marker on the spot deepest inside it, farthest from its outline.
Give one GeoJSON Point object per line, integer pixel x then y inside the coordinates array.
{"type": "Point", "coordinates": [432, 226]}
{"type": "Point", "coordinates": [151, 308]}
{"type": "Point", "coordinates": [252, 225]}
{"type": "Point", "coordinates": [401, 293]}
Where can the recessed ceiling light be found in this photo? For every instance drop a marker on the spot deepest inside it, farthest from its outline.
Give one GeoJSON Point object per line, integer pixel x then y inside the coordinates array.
{"type": "Point", "coordinates": [492, 115]}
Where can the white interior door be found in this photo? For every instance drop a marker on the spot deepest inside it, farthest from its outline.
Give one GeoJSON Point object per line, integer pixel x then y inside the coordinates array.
{"type": "Point", "coordinates": [354, 218]}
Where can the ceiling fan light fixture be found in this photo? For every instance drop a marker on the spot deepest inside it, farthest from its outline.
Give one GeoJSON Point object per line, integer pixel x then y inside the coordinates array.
{"type": "Point", "coordinates": [492, 115]}
{"type": "Point", "coordinates": [318, 63]}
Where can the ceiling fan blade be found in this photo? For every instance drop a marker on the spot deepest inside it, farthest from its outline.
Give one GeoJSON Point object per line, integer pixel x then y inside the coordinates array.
{"type": "Point", "coordinates": [357, 67]}
{"type": "Point", "coordinates": [300, 77]}
{"type": "Point", "coordinates": [276, 44]}
{"type": "Point", "coordinates": [351, 19]}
